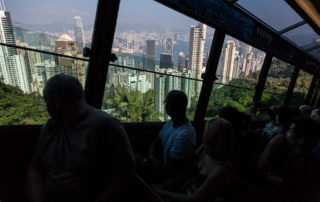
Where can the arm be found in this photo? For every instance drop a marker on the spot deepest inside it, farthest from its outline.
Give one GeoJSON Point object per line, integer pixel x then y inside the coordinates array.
{"type": "Point", "coordinates": [265, 157]}
{"type": "Point", "coordinates": [216, 178]}
{"type": "Point", "coordinates": [35, 185]}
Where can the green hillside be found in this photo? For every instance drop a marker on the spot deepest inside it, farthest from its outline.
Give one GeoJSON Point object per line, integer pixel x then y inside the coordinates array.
{"type": "Point", "coordinates": [18, 108]}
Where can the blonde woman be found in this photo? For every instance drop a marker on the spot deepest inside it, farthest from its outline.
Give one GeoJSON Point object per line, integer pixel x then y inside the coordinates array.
{"type": "Point", "coordinates": [214, 170]}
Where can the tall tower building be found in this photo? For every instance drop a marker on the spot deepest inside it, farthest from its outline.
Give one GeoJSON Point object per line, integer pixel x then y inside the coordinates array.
{"type": "Point", "coordinates": [181, 61]}
{"type": "Point", "coordinates": [169, 45]}
{"type": "Point", "coordinates": [165, 60]}
{"type": "Point", "coordinates": [226, 71]}
{"type": "Point", "coordinates": [78, 31]}
{"type": "Point", "coordinates": [150, 55]}
{"type": "Point", "coordinates": [12, 66]}
{"type": "Point", "coordinates": [196, 48]}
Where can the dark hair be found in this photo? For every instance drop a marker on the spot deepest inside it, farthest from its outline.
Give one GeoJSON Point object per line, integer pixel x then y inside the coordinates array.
{"type": "Point", "coordinates": [67, 88]}
{"type": "Point", "coordinates": [308, 129]}
{"type": "Point", "coordinates": [177, 100]}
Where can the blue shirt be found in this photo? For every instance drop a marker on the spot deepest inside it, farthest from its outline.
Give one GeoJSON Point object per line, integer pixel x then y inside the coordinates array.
{"type": "Point", "coordinates": [178, 143]}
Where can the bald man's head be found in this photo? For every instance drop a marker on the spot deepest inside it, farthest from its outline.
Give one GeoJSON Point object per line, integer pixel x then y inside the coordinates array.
{"type": "Point", "coordinates": [67, 88]}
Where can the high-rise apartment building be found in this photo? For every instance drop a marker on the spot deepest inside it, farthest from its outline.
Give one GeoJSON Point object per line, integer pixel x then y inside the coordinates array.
{"type": "Point", "coordinates": [12, 66]}
{"type": "Point", "coordinates": [150, 55]}
{"type": "Point", "coordinates": [78, 31]}
{"type": "Point", "coordinates": [225, 70]}
{"type": "Point", "coordinates": [196, 48]}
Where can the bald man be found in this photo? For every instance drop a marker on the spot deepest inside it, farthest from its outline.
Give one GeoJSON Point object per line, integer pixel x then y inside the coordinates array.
{"type": "Point", "coordinates": [82, 154]}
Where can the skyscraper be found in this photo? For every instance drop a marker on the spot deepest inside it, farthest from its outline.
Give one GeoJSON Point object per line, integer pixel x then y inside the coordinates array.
{"type": "Point", "coordinates": [78, 31]}
{"type": "Point", "coordinates": [12, 66]}
{"type": "Point", "coordinates": [165, 60]}
{"type": "Point", "coordinates": [150, 55]}
{"type": "Point", "coordinates": [181, 61]}
{"type": "Point", "coordinates": [227, 63]}
{"type": "Point", "coordinates": [169, 45]}
{"type": "Point", "coordinates": [196, 48]}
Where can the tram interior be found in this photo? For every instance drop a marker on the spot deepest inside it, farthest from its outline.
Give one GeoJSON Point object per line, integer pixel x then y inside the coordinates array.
{"type": "Point", "coordinates": [275, 56]}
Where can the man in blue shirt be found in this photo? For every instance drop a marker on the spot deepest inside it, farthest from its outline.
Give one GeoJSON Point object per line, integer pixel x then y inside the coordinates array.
{"type": "Point", "coordinates": [177, 137]}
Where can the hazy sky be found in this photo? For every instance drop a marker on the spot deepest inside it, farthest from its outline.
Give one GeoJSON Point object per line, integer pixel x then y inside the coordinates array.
{"type": "Point", "coordinates": [133, 11]}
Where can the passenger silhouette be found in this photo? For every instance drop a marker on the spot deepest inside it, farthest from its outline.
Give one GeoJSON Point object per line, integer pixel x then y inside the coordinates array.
{"type": "Point", "coordinates": [82, 154]}
{"type": "Point", "coordinates": [177, 137]}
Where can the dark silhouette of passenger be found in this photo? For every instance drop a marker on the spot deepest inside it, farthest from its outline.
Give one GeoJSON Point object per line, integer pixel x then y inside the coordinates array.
{"type": "Point", "coordinates": [82, 154]}
{"type": "Point", "coordinates": [213, 173]}
{"type": "Point", "coordinates": [177, 138]}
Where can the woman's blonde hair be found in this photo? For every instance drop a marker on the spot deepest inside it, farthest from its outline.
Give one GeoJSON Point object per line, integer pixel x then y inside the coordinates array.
{"type": "Point", "coordinates": [218, 139]}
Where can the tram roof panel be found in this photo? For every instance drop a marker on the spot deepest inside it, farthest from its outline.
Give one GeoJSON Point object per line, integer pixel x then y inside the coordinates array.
{"type": "Point", "coordinates": [277, 14]}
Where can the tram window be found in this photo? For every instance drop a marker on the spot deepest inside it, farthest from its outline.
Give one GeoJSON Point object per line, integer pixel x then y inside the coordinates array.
{"type": "Point", "coordinates": [23, 75]}
{"type": "Point", "coordinates": [238, 72]}
{"type": "Point", "coordinates": [151, 39]}
{"type": "Point", "coordinates": [38, 24]}
{"type": "Point", "coordinates": [277, 82]}
{"type": "Point", "coordinates": [301, 88]}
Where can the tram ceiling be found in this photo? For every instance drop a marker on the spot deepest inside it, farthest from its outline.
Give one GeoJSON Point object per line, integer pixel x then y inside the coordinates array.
{"type": "Point", "coordinates": [309, 10]}
{"type": "Point", "coordinates": [240, 24]}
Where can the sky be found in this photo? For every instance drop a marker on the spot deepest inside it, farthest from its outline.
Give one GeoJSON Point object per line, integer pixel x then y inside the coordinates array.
{"type": "Point", "coordinates": [274, 12]}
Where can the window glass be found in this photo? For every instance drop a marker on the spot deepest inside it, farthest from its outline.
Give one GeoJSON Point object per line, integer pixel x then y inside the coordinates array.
{"type": "Point", "coordinates": [301, 88]}
{"type": "Point", "coordinates": [39, 24]}
{"type": "Point", "coordinates": [238, 73]}
{"type": "Point", "coordinates": [133, 95]}
{"type": "Point", "coordinates": [277, 14]}
{"type": "Point", "coordinates": [277, 82]}
{"type": "Point", "coordinates": [23, 75]}
{"type": "Point", "coordinates": [239, 64]}
{"type": "Point", "coordinates": [303, 36]}
{"type": "Point", "coordinates": [153, 42]}
{"type": "Point", "coordinates": [162, 38]}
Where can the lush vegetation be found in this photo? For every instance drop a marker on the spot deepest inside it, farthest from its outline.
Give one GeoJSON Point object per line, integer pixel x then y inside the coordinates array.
{"type": "Point", "coordinates": [127, 105]}
{"type": "Point", "coordinates": [131, 105]}
{"type": "Point", "coordinates": [17, 107]}
{"type": "Point", "coordinates": [274, 93]}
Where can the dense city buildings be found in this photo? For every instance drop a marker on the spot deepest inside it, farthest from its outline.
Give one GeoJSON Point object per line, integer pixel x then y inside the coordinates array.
{"type": "Point", "coordinates": [173, 60]}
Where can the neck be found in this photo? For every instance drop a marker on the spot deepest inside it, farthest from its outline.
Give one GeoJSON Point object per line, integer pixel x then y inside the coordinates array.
{"type": "Point", "coordinates": [179, 121]}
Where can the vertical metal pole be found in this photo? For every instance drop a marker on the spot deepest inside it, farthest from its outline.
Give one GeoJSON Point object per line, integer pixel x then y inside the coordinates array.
{"type": "Point", "coordinates": [262, 78]}
{"type": "Point", "coordinates": [103, 33]}
{"type": "Point", "coordinates": [209, 76]}
{"type": "Point", "coordinates": [311, 89]}
{"type": "Point", "coordinates": [292, 83]}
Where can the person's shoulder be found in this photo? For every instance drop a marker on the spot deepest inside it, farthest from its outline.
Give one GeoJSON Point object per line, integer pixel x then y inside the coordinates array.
{"type": "Point", "coordinates": [187, 129]}
{"type": "Point", "coordinates": [101, 117]}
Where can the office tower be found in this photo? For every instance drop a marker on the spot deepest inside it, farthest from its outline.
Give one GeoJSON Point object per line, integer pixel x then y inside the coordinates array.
{"type": "Point", "coordinates": [181, 61]}
{"type": "Point", "coordinates": [196, 48]}
{"type": "Point", "coordinates": [169, 45]}
{"type": "Point", "coordinates": [249, 60]}
{"type": "Point", "coordinates": [78, 31]}
{"type": "Point", "coordinates": [165, 60]}
{"type": "Point", "coordinates": [227, 62]}
{"type": "Point", "coordinates": [150, 55]}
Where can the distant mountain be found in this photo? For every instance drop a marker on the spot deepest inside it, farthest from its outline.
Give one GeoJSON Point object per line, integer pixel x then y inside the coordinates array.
{"type": "Point", "coordinates": [121, 27]}
{"type": "Point", "coordinates": [51, 27]}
